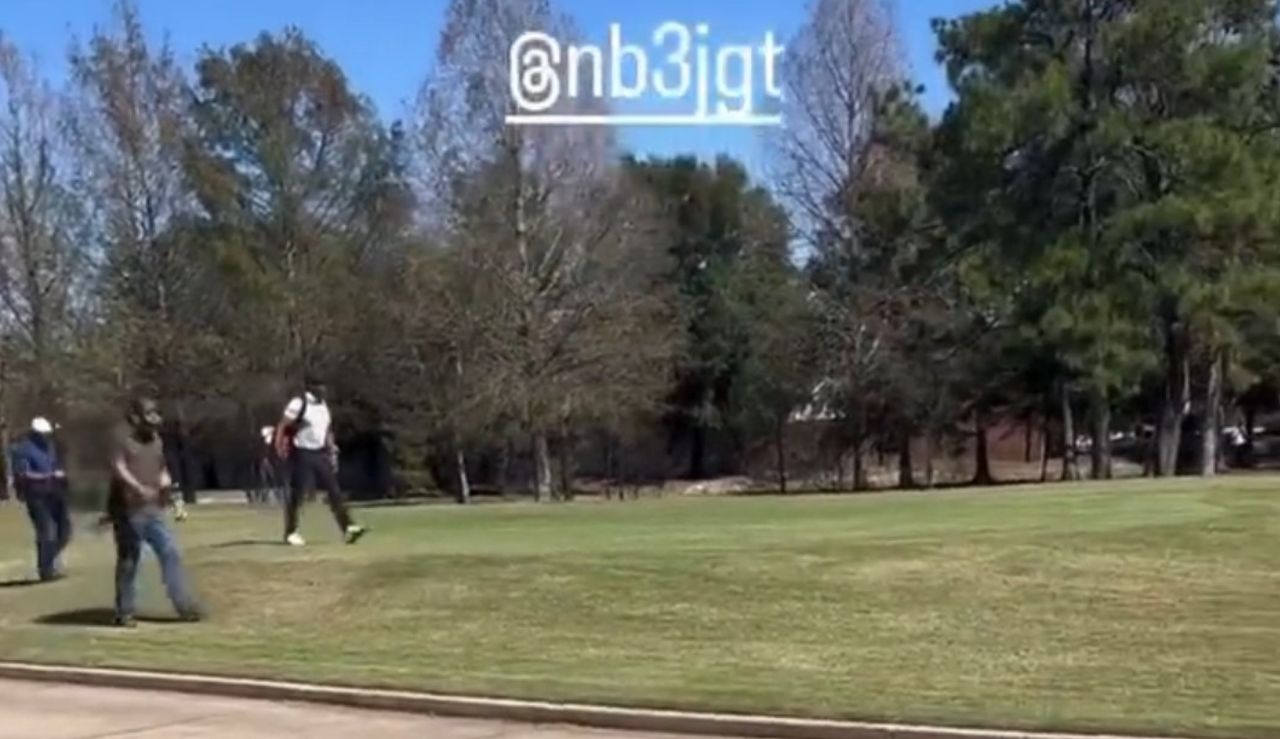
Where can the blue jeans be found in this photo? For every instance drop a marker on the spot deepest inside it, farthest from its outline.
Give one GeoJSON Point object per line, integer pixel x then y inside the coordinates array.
{"type": "Point", "coordinates": [132, 530]}
{"type": "Point", "coordinates": [52, 524]}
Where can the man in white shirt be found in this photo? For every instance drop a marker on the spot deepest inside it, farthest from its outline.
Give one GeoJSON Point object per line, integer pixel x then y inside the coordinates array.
{"type": "Point", "coordinates": [305, 434]}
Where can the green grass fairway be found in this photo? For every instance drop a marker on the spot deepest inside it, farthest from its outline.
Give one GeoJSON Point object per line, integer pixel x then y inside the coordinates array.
{"type": "Point", "coordinates": [1148, 607]}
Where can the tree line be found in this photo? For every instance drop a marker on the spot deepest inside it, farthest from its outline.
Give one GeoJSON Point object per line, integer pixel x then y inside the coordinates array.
{"type": "Point", "coordinates": [1087, 237]}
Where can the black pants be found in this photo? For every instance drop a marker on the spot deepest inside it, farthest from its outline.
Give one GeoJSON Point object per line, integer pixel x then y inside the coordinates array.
{"type": "Point", "coordinates": [52, 524]}
{"type": "Point", "coordinates": [312, 469]}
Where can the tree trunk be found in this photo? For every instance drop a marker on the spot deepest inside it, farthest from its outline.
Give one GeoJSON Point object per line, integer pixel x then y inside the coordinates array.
{"type": "Point", "coordinates": [503, 466]}
{"type": "Point", "coordinates": [256, 487]}
{"type": "Point", "coordinates": [1173, 406]}
{"type": "Point", "coordinates": [185, 474]}
{"type": "Point", "coordinates": [1100, 454]}
{"type": "Point", "coordinates": [1030, 437]}
{"type": "Point", "coordinates": [1224, 372]}
{"type": "Point", "coordinates": [859, 468]}
{"type": "Point", "coordinates": [906, 472]}
{"type": "Point", "coordinates": [1209, 417]}
{"type": "Point", "coordinates": [541, 466]}
{"type": "Point", "coordinates": [1045, 430]}
{"type": "Point", "coordinates": [698, 453]}
{"type": "Point", "coordinates": [460, 456]}
{"type": "Point", "coordinates": [464, 482]}
{"type": "Point", "coordinates": [566, 449]}
{"type": "Point", "coordinates": [929, 447]}
{"type": "Point", "coordinates": [610, 466]}
{"type": "Point", "coordinates": [6, 493]}
{"type": "Point", "coordinates": [1070, 470]}
{"type": "Point", "coordinates": [982, 472]}
{"type": "Point", "coordinates": [780, 447]}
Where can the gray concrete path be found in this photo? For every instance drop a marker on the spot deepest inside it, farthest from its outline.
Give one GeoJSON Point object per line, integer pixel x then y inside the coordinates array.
{"type": "Point", "coordinates": [57, 711]}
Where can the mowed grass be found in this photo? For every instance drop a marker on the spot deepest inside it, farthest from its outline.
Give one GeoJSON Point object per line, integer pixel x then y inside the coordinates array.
{"type": "Point", "coordinates": [1146, 607]}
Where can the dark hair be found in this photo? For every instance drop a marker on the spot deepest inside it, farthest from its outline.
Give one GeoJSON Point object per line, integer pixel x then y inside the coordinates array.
{"type": "Point", "coordinates": [141, 404]}
{"type": "Point", "coordinates": [312, 380]}
{"type": "Point", "coordinates": [140, 408]}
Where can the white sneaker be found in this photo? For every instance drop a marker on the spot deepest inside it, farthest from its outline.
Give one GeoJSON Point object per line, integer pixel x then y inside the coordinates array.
{"type": "Point", "coordinates": [295, 540]}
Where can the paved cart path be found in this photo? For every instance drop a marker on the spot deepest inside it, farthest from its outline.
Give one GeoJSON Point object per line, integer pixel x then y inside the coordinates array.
{"type": "Point", "coordinates": [58, 711]}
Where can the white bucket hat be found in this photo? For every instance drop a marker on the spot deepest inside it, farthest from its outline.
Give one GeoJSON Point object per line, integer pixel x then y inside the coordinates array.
{"type": "Point", "coordinates": [41, 425]}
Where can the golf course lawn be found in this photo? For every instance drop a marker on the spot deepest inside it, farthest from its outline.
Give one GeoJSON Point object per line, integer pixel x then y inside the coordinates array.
{"type": "Point", "coordinates": [1147, 607]}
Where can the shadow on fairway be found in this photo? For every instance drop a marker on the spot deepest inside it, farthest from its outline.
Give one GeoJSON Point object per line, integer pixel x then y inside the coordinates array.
{"type": "Point", "coordinates": [29, 582]}
{"type": "Point", "coordinates": [244, 544]}
{"type": "Point", "coordinates": [96, 617]}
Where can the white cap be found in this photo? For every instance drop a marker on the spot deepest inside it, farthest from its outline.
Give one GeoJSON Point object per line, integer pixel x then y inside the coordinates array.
{"type": "Point", "coordinates": [41, 425]}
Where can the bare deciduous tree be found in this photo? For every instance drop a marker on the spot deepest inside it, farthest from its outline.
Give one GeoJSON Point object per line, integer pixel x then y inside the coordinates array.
{"type": "Point", "coordinates": [549, 218]}
{"type": "Point", "coordinates": [43, 261]}
{"type": "Point", "coordinates": [432, 373]}
{"type": "Point", "coordinates": [128, 122]}
{"type": "Point", "coordinates": [836, 71]}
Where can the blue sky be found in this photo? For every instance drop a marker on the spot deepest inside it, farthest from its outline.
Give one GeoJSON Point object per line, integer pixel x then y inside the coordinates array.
{"type": "Point", "coordinates": [386, 46]}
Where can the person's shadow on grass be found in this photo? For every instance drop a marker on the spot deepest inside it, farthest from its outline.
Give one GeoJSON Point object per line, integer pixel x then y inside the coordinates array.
{"type": "Point", "coordinates": [245, 543]}
{"type": "Point", "coordinates": [96, 617]}
{"type": "Point", "coordinates": [27, 583]}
